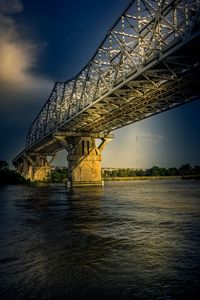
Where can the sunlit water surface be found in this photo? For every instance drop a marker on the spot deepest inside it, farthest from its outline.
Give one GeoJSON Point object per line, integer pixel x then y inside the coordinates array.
{"type": "Point", "coordinates": [127, 240]}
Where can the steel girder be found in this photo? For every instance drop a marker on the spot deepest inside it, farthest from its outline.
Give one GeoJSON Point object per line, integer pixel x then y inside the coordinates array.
{"type": "Point", "coordinates": [143, 66]}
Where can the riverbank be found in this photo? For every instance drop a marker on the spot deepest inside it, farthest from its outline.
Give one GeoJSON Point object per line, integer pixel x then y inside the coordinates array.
{"type": "Point", "coordinates": [141, 178]}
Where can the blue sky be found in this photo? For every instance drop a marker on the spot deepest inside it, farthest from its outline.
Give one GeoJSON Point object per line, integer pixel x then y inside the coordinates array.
{"type": "Point", "coordinates": [45, 41]}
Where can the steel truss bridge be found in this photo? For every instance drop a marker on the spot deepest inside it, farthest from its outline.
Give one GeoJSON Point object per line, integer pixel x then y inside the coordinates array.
{"type": "Point", "coordinates": [149, 62]}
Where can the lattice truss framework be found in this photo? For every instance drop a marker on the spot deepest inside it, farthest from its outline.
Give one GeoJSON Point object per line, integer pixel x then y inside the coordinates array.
{"type": "Point", "coordinates": [137, 71]}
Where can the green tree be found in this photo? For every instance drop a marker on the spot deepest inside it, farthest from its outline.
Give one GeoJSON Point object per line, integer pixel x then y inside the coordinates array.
{"type": "Point", "coordinates": [154, 171]}
{"type": "Point", "coordinates": [172, 172]}
{"type": "Point", "coordinates": [8, 176]}
{"type": "Point", "coordinates": [185, 169]}
{"type": "Point", "coordinates": [58, 175]}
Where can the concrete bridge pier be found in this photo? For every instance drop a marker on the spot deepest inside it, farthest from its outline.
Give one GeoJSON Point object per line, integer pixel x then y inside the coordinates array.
{"type": "Point", "coordinates": [34, 167]}
{"type": "Point", "coordinates": [84, 158]}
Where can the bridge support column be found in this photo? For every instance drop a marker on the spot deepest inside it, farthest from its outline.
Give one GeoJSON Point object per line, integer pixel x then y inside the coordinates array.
{"type": "Point", "coordinates": [34, 167]}
{"type": "Point", "coordinates": [84, 159]}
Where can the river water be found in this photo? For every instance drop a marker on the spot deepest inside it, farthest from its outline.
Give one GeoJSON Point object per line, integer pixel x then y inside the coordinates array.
{"type": "Point", "coordinates": [127, 240]}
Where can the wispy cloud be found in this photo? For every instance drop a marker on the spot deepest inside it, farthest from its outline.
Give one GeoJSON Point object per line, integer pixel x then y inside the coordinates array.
{"type": "Point", "coordinates": [155, 138]}
{"type": "Point", "coordinates": [10, 6]}
{"type": "Point", "coordinates": [18, 56]}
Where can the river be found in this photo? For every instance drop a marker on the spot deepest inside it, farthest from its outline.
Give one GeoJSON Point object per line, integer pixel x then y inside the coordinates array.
{"type": "Point", "coordinates": [127, 240]}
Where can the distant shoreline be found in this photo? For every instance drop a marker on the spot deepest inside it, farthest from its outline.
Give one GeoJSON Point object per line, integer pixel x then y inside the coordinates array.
{"type": "Point", "coordinates": [142, 178]}
{"type": "Point", "coordinates": [149, 178]}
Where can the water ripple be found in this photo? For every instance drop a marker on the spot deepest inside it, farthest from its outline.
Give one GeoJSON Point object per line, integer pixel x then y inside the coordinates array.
{"type": "Point", "coordinates": [128, 240]}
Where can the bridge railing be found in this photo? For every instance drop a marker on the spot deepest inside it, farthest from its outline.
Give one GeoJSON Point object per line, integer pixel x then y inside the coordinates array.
{"type": "Point", "coordinates": [145, 29]}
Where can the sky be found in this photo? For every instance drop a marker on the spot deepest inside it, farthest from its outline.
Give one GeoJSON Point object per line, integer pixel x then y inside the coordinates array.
{"type": "Point", "coordinates": [45, 41]}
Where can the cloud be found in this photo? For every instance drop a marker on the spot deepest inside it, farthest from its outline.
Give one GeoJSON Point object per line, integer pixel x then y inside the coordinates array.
{"type": "Point", "coordinates": [18, 56]}
{"type": "Point", "coordinates": [155, 138]}
{"type": "Point", "coordinates": [10, 6]}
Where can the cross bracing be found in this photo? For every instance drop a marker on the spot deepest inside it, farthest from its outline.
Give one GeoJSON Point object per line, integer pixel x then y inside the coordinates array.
{"type": "Point", "coordinates": [147, 63]}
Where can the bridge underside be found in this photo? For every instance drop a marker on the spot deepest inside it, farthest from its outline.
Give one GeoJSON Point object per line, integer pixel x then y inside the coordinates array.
{"type": "Point", "coordinates": [166, 85]}
{"type": "Point", "coordinates": [171, 82]}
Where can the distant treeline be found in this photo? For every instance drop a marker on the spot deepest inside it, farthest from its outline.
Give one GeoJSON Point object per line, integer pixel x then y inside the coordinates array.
{"type": "Point", "coordinates": [58, 175]}
{"type": "Point", "coordinates": [184, 170]}
{"type": "Point", "coordinates": [61, 174]}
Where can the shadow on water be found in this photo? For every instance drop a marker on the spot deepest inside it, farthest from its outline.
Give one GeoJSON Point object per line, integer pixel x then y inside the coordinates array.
{"type": "Point", "coordinates": [124, 241]}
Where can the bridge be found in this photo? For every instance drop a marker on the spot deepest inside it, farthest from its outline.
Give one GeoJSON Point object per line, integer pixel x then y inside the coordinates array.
{"type": "Point", "coordinates": [149, 62]}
